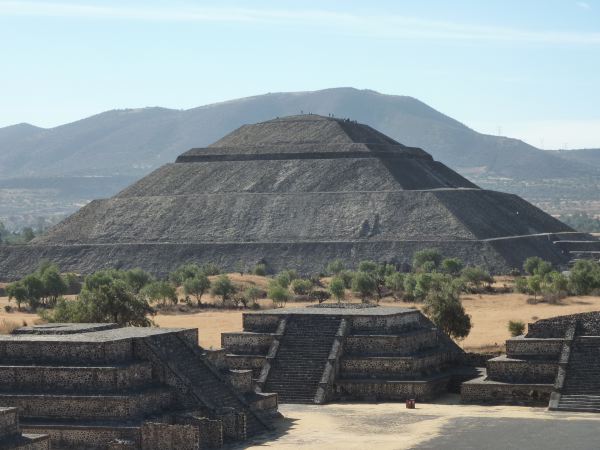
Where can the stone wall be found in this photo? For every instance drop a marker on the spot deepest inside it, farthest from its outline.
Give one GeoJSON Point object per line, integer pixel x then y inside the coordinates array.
{"type": "Point", "coordinates": [496, 393]}
{"type": "Point", "coordinates": [389, 324]}
{"type": "Point", "coordinates": [389, 390]}
{"type": "Point", "coordinates": [397, 345]}
{"type": "Point", "coordinates": [9, 422]}
{"type": "Point", "coordinates": [247, 343]}
{"type": "Point", "coordinates": [261, 323]}
{"type": "Point", "coordinates": [522, 371]}
{"type": "Point", "coordinates": [588, 324]}
{"type": "Point", "coordinates": [78, 437]}
{"type": "Point", "coordinates": [241, 380]}
{"type": "Point", "coordinates": [386, 366]}
{"type": "Point", "coordinates": [161, 436]}
{"type": "Point", "coordinates": [535, 348]}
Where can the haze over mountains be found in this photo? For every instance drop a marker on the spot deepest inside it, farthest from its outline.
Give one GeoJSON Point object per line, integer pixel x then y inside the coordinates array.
{"type": "Point", "coordinates": [98, 155]}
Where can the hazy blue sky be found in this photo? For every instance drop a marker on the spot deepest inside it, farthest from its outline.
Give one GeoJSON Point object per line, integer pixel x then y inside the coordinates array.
{"type": "Point", "coordinates": [524, 68]}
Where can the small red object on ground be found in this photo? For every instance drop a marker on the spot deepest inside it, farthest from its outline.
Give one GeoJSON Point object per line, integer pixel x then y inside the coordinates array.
{"type": "Point", "coordinates": [410, 403]}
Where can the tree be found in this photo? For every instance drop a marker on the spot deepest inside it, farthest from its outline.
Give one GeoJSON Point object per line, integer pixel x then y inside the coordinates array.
{"type": "Point", "coordinates": [210, 269]}
{"type": "Point", "coordinates": [335, 267]}
{"type": "Point", "coordinates": [278, 294]}
{"type": "Point", "coordinates": [535, 265]}
{"type": "Point", "coordinates": [395, 283]}
{"type": "Point", "coordinates": [27, 234]}
{"type": "Point", "coordinates": [197, 287]}
{"type": "Point", "coordinates": [364, 285]}
{"type": "Point", "coordinates": [54, 284]}
{"type": "Point", "coordinates": [137, 279]}
{"type": "Point", "coordinates": [252, 294]}
{"type": "Point", "coordinates": [367, 266]}
{"type": "Point", "coordinates": [452, 266]}
{"type": "Point", "coordinates": [114, 302]}
{"type": "Point", "coordinates": [18, 292]}
{"type": "Point", "coordinates": [534, 283]}
{"type": "Point", "coordinates": [516, 327]}
{"type": "Point", "coordinates": [35, 289]}
{"type": "Point", "coordinates": [337, 288]}
{"type": "Point", "coordinates": [283, 279]}
{"type": "Point", "coordinates": [584, 277]}
{"type": "Point", "coordinates": [444, 308]}
{"type": "Point", "coordinates": [301, 287]}
{"type": "Point", "coordinates": [160, 291]}
{"type": "Point", "coordinates": [184, 272]}
{"type": "Point", "coordinates": [521, 285]}
{"type": "Point", "coordinates": [223, 287]}
{"type": "Point", "coordinates": [421, 257]}
{"type": "Point", "coordinates": [475, 277]}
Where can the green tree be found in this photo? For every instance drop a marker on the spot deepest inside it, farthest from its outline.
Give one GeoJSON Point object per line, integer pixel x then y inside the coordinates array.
{"type": "Point", "coordinates": [160, 291]}
{"type": "Point", "coordinates": [137, 279]}
{"type": "Point", "coordinates": [475, 278]}
{"type": "Point", "coordinates": [210, 269]}
{"type": "Point", "coordinates": [18, 292]}
{"type": "Point", "coordinates": [367, 266]}
{"type": "Point", "coordinates": [534, 283]}
{"type": "Point", "coordinates": [301, 287]}
{"type": "Point", "coordinates": [584, 277]}
{"type": "Point", "coordinates": [521, 285]}
{"type": "Point", "coordinates": [27, 234]}
{"type": "Point", "coordinates": [252, 294]}
{"type": "Point", "coordinates": [53, 284]}
{"type": "Point", "coordinates": [452, 266]}
{"type": "Point", "coordinates": [430, 255]}
{"type": "Point", "coordinates": [444, 308]}
{"type": "Point", "coordinates": [278, 294]}
{"type": "Point", "coordinates": [535, 265]}
{"type": "Point", "coordinates": [335, 267]}
{"type": "Point", "coordinates": [197, 287]}
{"type": "Point", "coordinates": [364, 285]}
{"type": "Point", "coordinates": [184, 272]}
{"type": "Point", "coordinates": [114, 302]}
{"type": "Point", "coordinates": [223, 287]}
{"type": "Point", "coordinates": [283, 279]}
{"type": "Point", "coordinates": [395, 283]}
{"type": "Point", "coordinates": [410, 284]}
{"type": "Point", "coordinates": [516, 327]}
{"type": "Point", "coordinates": [337, 288]}
{"type": "Point", "coordinates": [35, 289]}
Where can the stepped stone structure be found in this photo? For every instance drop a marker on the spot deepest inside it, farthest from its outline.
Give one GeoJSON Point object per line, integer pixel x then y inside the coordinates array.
{"type": "Point", "coordinates": [297, 192]}
{"type": "Point", "coordinates": [11, 436]}
{"type": "Point", "coordinates": [321, 353]}
{"type": "Point", "coordinates": [557, 363]}
{"type": "Point", "coordinates": [98, 386]}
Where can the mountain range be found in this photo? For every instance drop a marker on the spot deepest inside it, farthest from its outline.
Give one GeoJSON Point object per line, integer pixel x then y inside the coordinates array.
{"type": "Point", "coordinates": [98, 155]}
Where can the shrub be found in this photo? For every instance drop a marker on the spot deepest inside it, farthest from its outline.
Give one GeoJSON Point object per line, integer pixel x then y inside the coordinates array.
{"type": "Point", "coordinates": [452, 266]}
{"type": "Point", "coordinates": [521, 285]}
{"type": "Point", "coordinates": [584, 277]}
{"type": "Point", "coordinates": [516, 327]}
{"type": "Point", "coordinates": [410, 284]}
{"type": "Point", "coordinates": [534, 283]}
{"type": "Point", "coordinates": [252, 294]}
{"type": "Point", "coordinates": [197, 286]}
{"type": "Point", "coordinates": [160, 291]}
{"type": "Point", "coordinates": [536, 266]}
{"type": "Point", "coordinates": [8, 308]}
{"type": "Point", "coordinates": [364, 285]}
{"type": "Point", "coordinates": [301, 287]}
{"type": "Point", "coordinates": [444, 308]}
{"type": "Point", "coordinates": [283, 279]}
{"type": "Point", "coordinates": [426, 255]}
{"type": "Point", "coordinates": [346, 276]}
{"type": "Point", "coordinates": [335, 267]}
{"type": "Point", "coordinates": [184, 272]}
{"type": "Point", "coordinates": [223, 287]}
{"type": "Point", "coordinates": [278, 294]}
{"type": "Point", "coordinates": [337, 288]}
{"type": "Point", "coordinates": [367, 266]}
{"type": "Point", "coordinates": [395, 283]}
{"type": "Point", "coordinates": [137, 279]}
{"type": "Point", "coordinates": [475, 277]}
{"type": "Point", "coordinates": [210, 269]}
{"type": "Point", "coordinates": [320, 295]}
{"type": "Point", "coordinates": [260, 270]}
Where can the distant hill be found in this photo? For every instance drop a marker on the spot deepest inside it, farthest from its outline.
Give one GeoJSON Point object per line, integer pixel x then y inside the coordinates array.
{"type": "Point", "coordinates": [134, 141]}
{"type": "Point", "coordinates": [99, 155]}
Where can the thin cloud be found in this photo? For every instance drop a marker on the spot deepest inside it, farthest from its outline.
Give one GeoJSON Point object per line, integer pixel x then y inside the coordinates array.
{"type": "Point", "coordinates": [377, 26]}
{"type": "Point", "coordinates": [584, 5]}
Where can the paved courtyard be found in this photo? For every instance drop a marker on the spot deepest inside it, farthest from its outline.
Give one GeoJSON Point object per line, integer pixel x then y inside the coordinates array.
{"type": "Point", "coordinates": [444, 425]}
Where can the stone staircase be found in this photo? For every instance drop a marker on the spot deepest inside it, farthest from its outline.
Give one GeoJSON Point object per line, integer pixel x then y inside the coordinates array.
{"type": "Point", "coordinates": [212, 389]}
{"type": "Point", "coordinates": [302, 357]}
{"type": "Point", "coordinates": [581, 390]}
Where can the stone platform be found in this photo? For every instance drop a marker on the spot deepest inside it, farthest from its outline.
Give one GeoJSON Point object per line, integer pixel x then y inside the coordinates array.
{"type": "Point", "coordinates": [98, 386]}
{"type": "Point", "coordinates": [327, 353]}
{"type": "Point", "coordinates": [556, 364]}
{"type": "Point", "coordinates": [11, 436]}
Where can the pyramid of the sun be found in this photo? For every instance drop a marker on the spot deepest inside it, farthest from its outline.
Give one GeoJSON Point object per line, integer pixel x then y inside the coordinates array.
{"type": "Point", "coordinates": [297, 192]}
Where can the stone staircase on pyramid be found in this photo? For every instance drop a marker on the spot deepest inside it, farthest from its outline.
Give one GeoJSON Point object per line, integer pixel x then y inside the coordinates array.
{"type": "Point", "coordinates": [301, 358]}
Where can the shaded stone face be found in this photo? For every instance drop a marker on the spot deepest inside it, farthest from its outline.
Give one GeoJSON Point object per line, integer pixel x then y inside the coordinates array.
{"type": "Point", "coordinates": [296, 192]}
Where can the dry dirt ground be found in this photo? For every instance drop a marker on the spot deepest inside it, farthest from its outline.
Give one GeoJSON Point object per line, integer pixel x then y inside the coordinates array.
{"type": "Point", "coordinates": [443, 425]}
{"type": "Point", "coordinates": [490, 314]}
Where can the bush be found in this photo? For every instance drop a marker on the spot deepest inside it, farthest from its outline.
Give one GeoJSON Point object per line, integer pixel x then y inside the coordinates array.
{"type": "Point", "coordinates": [210, 269]}
{"type": "Point", "coordinates": [444, 308]}
{"type": "Point", "coordinates": [223, 287]}
{"type": "Point", "coordinates": [367, 266]}
{"type": "Point", "coordinates": [337, 288]}
{"type": "Point", "coordinates": [260, 270]}
{"type": "Point", "coordinates": [8, 308]}
{"type": "Point", "coordinates": [160, 291]}
{"type": "Point", "coordinates": [252, 294]}
{"type": "Point", "coordinates": [197, 286]}
{"type": "Point", "coordinates": [335, 267]}
{"type": "Point", "coordinates": [395, 283]}
{"type": "Point", "coordinates": [301, 287]}
{"type": "Point", "coordinates": [536, 266]}
{"type": "Point", "coordinates": [521, 285]}
{"type": "Point", "coordinates": [278, 294]}
{"type": "Point", "coordinates": [184, 272]}
{"type": "Point", "coordinates": [475, 277]}
{"type": "Point", "coordinates": [320, 295]}
{"type": "Point", "coordinates": [430, 255]}
{"type": "Point", "coordinates": [516, 327]}
{"type": "Point", "coordinates": [584, 277]}
{"type": "Point", "coordinates": [364, 285]}
{"type": "Point", "coordinates": [452, 266]}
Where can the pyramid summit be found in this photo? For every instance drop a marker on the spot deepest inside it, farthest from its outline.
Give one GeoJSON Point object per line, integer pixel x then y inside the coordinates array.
{"type": "Point", "coordinates": [297, 192]}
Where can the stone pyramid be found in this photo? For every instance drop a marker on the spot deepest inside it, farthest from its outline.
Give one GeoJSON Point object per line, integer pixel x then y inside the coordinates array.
{"type": "Point", "coordinates": [297, 192]}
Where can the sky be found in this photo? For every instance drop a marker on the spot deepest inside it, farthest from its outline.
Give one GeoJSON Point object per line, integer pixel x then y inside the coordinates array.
{"type": "Point", "coordinates": [522, 68]}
